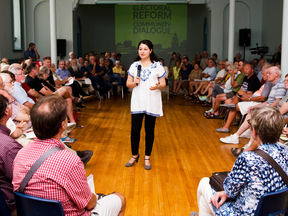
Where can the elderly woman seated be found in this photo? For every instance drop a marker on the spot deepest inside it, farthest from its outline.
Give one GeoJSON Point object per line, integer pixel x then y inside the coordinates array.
{"type": "Point", "coordinates": [251, 175]}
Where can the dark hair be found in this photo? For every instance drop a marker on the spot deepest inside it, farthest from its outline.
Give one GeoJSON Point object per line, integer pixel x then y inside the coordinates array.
{"type": "Point", "coordinates": [212, 60]}
{"type": "Point", "coordinates": [186, 57]}
{"type": "Point", "coordinates": [118, 54]}
{"type": "Point", "coordinates": [153, 57]}
{"type": "Point", "coordinates": [31, 44]}
{"type": "Point", "coordinates": [174, 53]}
{"type": "Point", "coordinates": [3, 105]}
{"type": "Point", "coordinates": [30, 68]}
{"type": "Point", "coordinates": [47, 115]}
{"type": "Point", "coordinates": [215, 54]}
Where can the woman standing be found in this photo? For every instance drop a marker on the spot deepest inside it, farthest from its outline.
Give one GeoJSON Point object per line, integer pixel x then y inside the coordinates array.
{"type": "Point", "coordinates": [146, 99]}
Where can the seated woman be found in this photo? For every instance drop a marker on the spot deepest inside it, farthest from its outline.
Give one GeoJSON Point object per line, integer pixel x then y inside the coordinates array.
{"type": "Point", "coordinates": [222, 93]}
{"type": "Point", "coordinates": [195, 74]}
{"type": "Point", "coordinates": [43, 76]}
{"type": "Point", "coordinates": [175, 75]}
{"type": "Point", "coordinates": [251, 175]}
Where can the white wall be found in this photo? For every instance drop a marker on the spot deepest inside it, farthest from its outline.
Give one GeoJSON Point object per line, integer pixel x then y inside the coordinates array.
{"type": "Point", "coordinates": [248, 15]}
{"type": "Point", "coordinates": [38, 24]}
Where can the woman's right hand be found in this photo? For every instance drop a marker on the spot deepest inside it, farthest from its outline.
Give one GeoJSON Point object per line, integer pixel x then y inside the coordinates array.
{"type": "Point", "coordinates": [137, 80]}
{"type": "Point", "coordinates": [218, 199]}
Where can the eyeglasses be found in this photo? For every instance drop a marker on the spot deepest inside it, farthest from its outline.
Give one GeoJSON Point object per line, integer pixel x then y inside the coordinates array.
{"type": "Point", "coordinates": [9, 82]}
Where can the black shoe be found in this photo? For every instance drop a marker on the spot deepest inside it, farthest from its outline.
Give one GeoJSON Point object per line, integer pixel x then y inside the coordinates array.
{"type": "Point", "coordinates": [85, 156]}
{"type": "Point", "coordinates": [79, 105]}
{"type": "Point", "coordinates": [69, 146]}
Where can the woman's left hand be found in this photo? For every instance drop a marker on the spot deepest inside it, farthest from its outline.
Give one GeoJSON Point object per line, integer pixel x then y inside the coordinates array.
{"type": "Point", "coordinates": [154, 87]}
{"type": "Point", "coordinates": [215, 198]}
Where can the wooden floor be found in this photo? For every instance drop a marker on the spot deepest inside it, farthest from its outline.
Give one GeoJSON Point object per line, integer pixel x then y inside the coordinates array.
{"type": "Point", "coordinates": [186, 148]}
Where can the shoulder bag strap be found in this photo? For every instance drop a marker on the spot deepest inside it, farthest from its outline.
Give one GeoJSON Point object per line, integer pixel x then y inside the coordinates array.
{"type": "Point", "coordinates": [273, 163]}
{"type": "Point", "coordinates": [36, 165]}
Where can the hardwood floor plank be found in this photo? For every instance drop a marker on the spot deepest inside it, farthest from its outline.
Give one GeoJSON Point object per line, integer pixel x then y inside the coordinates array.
{"type": "Point", "coordinates": [186, 149]}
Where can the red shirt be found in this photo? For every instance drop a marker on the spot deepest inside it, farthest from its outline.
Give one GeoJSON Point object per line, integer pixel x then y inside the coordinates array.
{"type": "Point", "coordinates": [61, 177]}
{"type": "Point", "coordinates": [27, 88]}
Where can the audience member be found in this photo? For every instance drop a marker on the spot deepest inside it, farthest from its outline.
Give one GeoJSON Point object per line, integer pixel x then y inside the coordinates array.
{"type": "Point", "coordinates": [118, 69]}
{"type": "Point", "coordinates": [113, 58]}
{"type": "Point", "coordinates": [31, 53]}
{"type": "Point", "coordinates": [8, 151]}
{"type": "Point", "coordinates": [203, 60]}
{"type": "Point", "coordinates": [247, 181]}
{"type": "Point", "coordinates": [237, 58]}
{"type": "Point", "coordinates": [49, 122]}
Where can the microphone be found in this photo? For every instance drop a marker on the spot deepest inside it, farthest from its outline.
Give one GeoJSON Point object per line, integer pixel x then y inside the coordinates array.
{"type": "Point", "coordinates": [138, 72]}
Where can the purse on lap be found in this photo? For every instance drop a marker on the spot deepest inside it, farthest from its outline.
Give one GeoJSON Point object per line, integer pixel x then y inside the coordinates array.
{"type": "Point", "coordinates": [217, 178]}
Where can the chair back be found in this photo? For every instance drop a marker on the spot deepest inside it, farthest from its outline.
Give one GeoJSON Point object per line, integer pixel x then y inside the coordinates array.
{"type": "Point", "coordinates": [115, 79]}
{"type": "Point", "coordinates": [3, 206]}
{"type": "Point", "coordinates": [273, 203]}
{"type": "Point", "coordinates": [27, 205]}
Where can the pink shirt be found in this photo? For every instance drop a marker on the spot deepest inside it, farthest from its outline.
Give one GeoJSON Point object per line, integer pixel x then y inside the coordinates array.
{"type": "Point", "coordinates": [61, 177]}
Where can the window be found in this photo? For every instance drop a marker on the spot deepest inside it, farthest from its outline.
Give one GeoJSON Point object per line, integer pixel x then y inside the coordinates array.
{"type": "Point", "coordinates": [17, 25]}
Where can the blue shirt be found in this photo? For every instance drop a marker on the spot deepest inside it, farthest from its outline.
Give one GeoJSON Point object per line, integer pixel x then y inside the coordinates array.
{"type": "Point", "coordinates": [97, 70]}
{"type": "Point", "coordinates": [251, 177]}
{"type": "Point", "coordinates": [211, 71]}
{"type": "Point", "coordinates": [20, 94]}
{"type": "Point", "coordinates": [28, 53]}
{"type": "Point", "coordinates": [63, 73]}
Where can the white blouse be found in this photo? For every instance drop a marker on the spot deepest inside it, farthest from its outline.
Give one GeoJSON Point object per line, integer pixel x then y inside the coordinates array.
{"type": "Point", "coordinates": [143, 99]}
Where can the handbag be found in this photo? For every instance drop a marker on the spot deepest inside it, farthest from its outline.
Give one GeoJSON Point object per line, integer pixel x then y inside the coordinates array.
{"type": "Point", "coordinates": [217, 178]}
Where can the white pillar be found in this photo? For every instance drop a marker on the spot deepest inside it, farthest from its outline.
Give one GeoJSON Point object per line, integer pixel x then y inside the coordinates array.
{"type": "Point", "coordinates": [53, 33]}
{"type": "Point", "coordinates": [231, 30]}
{"type": "Point", "coordinates": [284, 52]}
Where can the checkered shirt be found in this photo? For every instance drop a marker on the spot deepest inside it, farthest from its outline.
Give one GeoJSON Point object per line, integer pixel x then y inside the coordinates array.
{"type": "Point", "coordinates": [60, 177]}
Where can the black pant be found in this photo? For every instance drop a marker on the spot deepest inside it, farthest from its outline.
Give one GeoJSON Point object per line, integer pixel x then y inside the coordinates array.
{"type": "Point", "coordinates": [136, 129]}
{"type": "Point", "coordinates": [77, 90]}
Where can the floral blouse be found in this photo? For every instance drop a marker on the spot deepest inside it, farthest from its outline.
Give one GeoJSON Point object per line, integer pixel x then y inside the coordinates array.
{"type": "Point", "coordinates": [251, 177]}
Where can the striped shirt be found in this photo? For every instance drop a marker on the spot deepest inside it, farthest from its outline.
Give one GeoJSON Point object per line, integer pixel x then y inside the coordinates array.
{"type": "Point", "coordinates": [277, 91]}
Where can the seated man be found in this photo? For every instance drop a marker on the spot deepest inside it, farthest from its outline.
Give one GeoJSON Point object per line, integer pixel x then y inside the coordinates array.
{"type": "Point", "coordinates": [251, 175]}
{"type": "Point", "coordinates": [277, 92]}
{"type": "Point", "coordinates": [257, 98]}
{"type": "Point", "coordinates": [19, 93]}
{"type": "Point", "coordinates": [183, 75]}
{"type": "Point", "coordinates": [106, 77]}
{"type": "Point", "coordinates": [63, 177]}
{"type": "Point", "coordinates": [118, 69]}
{"type": "Point", "coordinates": [8, 151]}
{"type": "Point", "coordinates": [249, 86]}
{"type": "Point", "coordinates": [33, 81]}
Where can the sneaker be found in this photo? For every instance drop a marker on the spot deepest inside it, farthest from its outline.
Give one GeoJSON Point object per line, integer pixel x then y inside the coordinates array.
{"type": "Point", "coordinates": [85, 156]}
{"type": "Point", "coordinates": [221, 130]}
{"type": "Point", "coordinates": [232, 139]}
{"type": "Point", "coordinates": [228, 106]}
{"type": "Point", "coordinates": [203, 98]}
{"type": "Point", "coordinates": [246, 134]}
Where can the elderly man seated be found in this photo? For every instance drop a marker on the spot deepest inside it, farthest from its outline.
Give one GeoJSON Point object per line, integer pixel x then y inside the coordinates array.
{"type": "Point", "coordinates": [63, 177]}
{"type": "Point", "coordinates": [251, 175]}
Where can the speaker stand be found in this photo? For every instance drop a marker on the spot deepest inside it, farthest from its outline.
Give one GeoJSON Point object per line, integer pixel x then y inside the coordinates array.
{"type": "Point", "coordinates": [244, 53]}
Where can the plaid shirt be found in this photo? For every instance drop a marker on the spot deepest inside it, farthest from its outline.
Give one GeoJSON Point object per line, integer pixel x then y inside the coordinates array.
{"type": "Point", "coordinates": [61, 177]}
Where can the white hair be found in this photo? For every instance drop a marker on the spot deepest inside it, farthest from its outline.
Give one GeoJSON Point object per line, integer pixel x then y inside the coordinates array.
{"type": "Point", "coordinates": [71, 53]}
{"type": "Point", "coordinates": [4, 76]}
{"type": "Point", "coordinates": [117, 62]}
{"type": "Point", "coordinates": [27, 60]}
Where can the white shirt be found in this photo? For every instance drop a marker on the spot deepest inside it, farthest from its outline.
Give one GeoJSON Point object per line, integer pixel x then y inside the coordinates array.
{"type": "Point", "coordinates": [143, 99]}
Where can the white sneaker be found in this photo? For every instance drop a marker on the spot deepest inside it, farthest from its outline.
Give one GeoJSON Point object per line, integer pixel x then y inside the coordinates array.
{"type": "Point", "coordinates": [232, 139]}
{"type": "Point", "coordinates": [246, 134]}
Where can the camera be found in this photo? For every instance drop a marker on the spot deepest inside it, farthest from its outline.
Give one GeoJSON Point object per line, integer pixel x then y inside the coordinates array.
{"type": "Point", "coordinates": [260, 50]}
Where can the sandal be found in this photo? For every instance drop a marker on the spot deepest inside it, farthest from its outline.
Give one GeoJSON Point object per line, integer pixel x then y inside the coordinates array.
{"type": "Point", "coordinates": [207, 114]}
{"type": "Point", "coordinates": [67, 139]}
{"type": "Point", "coordinates": [237, 151]}
{"type": "Point", "coordinates": [79, 126]}
{"type": "Point", "coordinates": [207, 104]}
{"type": "Point", "coordinates": [213, 116]}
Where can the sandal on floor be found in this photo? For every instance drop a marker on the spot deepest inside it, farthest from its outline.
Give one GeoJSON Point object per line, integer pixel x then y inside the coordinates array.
{"type": "Point", "coordinates": [213, 116]}
{"type": "Point", "coordinates": [67, 139]}
{"type": "Point", "coordinates": [207, 104]}
{"type": "Point", "coordinates": [79, 126]}
{"type": "Point", "coordinates": [237, 151]}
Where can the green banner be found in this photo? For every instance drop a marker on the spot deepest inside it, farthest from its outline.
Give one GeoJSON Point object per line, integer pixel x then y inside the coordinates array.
{"type": "Point", "coordinates": [164, 25]}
